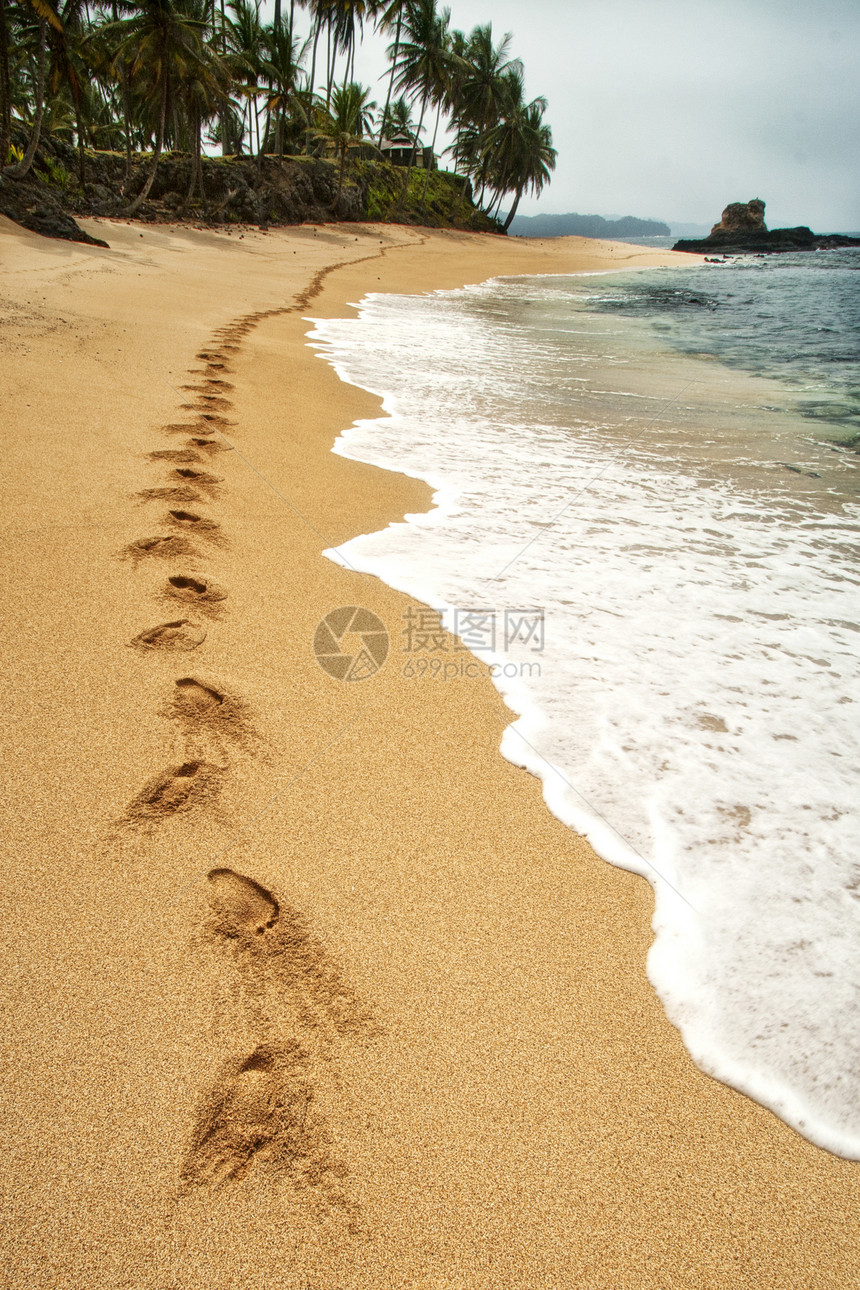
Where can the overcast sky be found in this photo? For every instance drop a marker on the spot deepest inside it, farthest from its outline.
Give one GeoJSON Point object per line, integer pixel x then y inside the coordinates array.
{"type": "Point", "coordinates": [673, 108]}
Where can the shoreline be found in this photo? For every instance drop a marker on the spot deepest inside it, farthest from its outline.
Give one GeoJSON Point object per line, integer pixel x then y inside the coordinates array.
{"type": "Point", "coordinates": [500, 1100]}
{"type": "Point", "coordinates": [438, 559]}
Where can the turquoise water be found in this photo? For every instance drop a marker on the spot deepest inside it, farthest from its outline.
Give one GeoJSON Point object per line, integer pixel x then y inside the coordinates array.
{"type": "Point", "coordinates": [792, 317]}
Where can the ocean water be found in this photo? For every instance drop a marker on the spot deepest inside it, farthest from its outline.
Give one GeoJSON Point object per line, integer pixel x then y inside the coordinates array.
{"type": "Point", "coordinates": [646, 518]}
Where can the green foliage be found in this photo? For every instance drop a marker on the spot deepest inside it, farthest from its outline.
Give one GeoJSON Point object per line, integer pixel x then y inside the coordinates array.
{"type": "Point", "coordinates": [151, 76]}
{"type": "Point", "coordinates": [443, 204]}
{"type": "Point", "coordinates": [56, 174]}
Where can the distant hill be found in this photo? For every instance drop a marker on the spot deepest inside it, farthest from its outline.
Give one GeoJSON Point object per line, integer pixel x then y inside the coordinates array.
{"type": "Point", "coordinates": [586, 226]}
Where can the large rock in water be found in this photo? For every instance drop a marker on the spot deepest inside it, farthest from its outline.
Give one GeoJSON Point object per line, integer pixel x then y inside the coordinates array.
{"type": "Point", "coordinates": [742, 217]}
{"type": "Point", "coordinates": [742, 229]}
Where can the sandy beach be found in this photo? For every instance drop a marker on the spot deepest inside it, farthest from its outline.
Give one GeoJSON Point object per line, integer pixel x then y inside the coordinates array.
{"type": "Point", "coordinates": [303, 985]}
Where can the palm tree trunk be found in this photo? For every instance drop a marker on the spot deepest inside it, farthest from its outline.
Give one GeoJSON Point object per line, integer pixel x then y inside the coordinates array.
{"type": "Point", "coordinates": [384, 120]}
{"type": "Point", "coordinates": [223, 115]}
{"type": "Point", "coordinates": [79, 126]}
{"type": "Point", "coordinates": [192, 169]}
{"type": "Point", "coordinates": [159, 144]}
{"type": "Point", "coordinates": [126, 123]}
{"type": "Point", "coordinates": [313, 78]}
{"type": "Point", "coordinates": [5, 90]}
{"type": "Point", "coordinates": [19, 171]}
{"type": "Point", "coordinates": [336, 201]}
{"type": "Point", "coordinates": [314, 54]}
{"type": "Point", "coordinates": [512, 212]}
{"type": "Point", "coordinates": [412, 156]}
{"type": "Point", "coordinates": [329, 68]}
{"type": "Point", "coordinates": [433, 154]}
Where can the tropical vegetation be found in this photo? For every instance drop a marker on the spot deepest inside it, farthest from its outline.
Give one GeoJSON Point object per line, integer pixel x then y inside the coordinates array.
{"type": "Point", "coordinates": [194, 76]}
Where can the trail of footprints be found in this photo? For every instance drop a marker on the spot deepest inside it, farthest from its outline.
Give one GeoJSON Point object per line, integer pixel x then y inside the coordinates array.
{"type": "Point", "coordinates": [263, 1109]}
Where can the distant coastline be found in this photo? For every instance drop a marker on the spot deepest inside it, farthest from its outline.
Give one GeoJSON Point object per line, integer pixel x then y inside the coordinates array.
{"type": "Point", "coordinates": [573, 225]}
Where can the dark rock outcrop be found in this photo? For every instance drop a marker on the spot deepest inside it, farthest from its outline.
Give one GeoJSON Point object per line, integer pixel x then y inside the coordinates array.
{"type": "Point", "coordinates": [267, 191]}
{"type": "Point", "coordinates": [32, 205]}
{"type": "Point", "coordinates": [742, 230]}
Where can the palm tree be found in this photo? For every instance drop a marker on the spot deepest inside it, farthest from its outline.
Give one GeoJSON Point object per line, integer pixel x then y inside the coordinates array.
{"type": "Point", "coordinates": [522, 152]}
{"type": "Point", "coordinates": [247, 41]}
{"type": "Point", "coordinates": [400, 118]}
{"type": "Point", "coordinates": [345, 123]}
{"type": "Point", "coordinates": [201, 93]}
{"type": "Point", "coordinates": [70, 69]}
{"type": "Point", "coordinates": [46, 14]}
{"type": "Point", "coordinates": [390, 15]}
{"type": "Point", "coordinates": [422, 64]}
{"type": "Point", "coordinates": [482, 89]}
{"type": "Point", "coordinates": [163, 46]}
{"type": "Point", "coordinates": [347, 18]}
{"type": "Point", "coordinates": [281, 69]}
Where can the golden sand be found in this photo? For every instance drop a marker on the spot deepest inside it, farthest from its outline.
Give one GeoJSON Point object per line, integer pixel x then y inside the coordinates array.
{"type": "Point", "coordinates": [303, 985]}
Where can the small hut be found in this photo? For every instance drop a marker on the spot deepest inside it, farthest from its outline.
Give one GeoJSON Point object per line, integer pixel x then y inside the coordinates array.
{"type": "Point", "coordinates": [398, 150]}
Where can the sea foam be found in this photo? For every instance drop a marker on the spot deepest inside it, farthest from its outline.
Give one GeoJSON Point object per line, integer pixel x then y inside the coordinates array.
{"type": "Point", "coordinates": [693, 715]}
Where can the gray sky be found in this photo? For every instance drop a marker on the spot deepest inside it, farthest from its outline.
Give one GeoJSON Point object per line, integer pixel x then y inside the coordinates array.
{"type": "Point", "coordinates": [673, 108]}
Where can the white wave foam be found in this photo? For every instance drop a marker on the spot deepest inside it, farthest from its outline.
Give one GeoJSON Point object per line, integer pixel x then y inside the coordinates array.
{"type": "Point", "coordinates": [693, 715]}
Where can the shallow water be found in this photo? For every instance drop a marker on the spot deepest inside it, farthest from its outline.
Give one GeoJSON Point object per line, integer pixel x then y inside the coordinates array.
{"type": "Point", "coordinates": [664, 543]}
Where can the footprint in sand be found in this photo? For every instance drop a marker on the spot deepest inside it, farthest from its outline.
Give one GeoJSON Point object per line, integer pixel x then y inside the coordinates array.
{"type": "Point", "coordinates": [210, 446]}
{"type": "Point", "coordinates": [195, 698]}
{"type": "Point", "coordinates": [215, 421]}
{"type": "Point", "coordinates": [256, 1110]}
{"type": "Point", "coordinates": [182, 634]}
{"type": "Point", "coordinates": [270, 1107]}
{"type": "Point", "coordinates": [192, 522]}
{"type": "Point", "coordinates": [202, 708]}
{"type": "Point", "coordinates": [209, 385]}
{"type": "Point", "coordinates": [195, 590]}
{"type": "Point", "coordinates": [164, 547]}
{"type": "Point", "coordinates": [180, 496]}
{"type": "Point", "coordinates": [198, 478]}
{"type": "Point", "coordinates": [174, 454]}
{"type": "Point", "coordinates": [240, 905]}
{"type": "Point", "coordinates": [209, 402]}
{"type": "Point", "coordinates": [177, 789]}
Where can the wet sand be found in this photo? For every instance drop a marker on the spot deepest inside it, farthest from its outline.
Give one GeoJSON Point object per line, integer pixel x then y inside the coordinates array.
{"type": "Point", "coordinates": [303, 985]}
